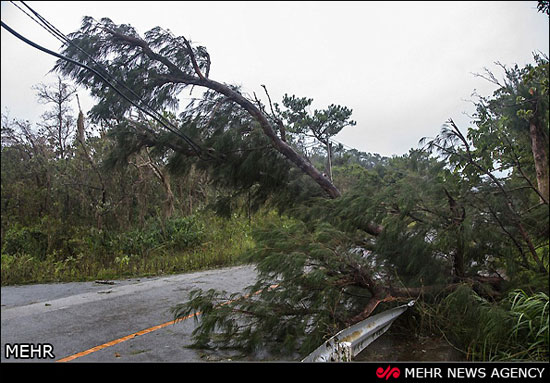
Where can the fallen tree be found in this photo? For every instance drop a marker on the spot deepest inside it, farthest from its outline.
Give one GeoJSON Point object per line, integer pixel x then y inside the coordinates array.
{"type": "Point", "coordinates": [412, 226]}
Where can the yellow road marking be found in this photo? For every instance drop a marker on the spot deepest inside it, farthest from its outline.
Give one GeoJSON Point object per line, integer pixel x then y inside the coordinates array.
{"type": "Point", "coordinates": [143, 332]}
{"type": "Point", "coordinates": [124, 339]}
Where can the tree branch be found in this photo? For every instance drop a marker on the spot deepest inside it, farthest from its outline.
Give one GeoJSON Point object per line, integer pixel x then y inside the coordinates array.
{"type": "Point", "coordinates": [193, 59]}
{"type": "Point", "coordinates": [176, 75]}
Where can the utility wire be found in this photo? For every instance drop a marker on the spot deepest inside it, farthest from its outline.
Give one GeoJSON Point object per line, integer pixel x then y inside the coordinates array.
{"type": "Point", "coordinates": [60, 36]}
{"type": "Point", "coordinates": [56, 33]}
{"type": "Point", "coordinates": [340, 143]}
{"type": "Point", "coordinates": [46, 23]}
{"type": "Point", "coordinates": [50, 28]}
{"type": "Point", "coordinates": [36, 21]}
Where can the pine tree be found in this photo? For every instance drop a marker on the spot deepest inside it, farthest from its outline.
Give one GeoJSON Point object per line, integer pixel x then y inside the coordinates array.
{"type": "Point", "coordinates": [406, 227]}
{"type": "Point", "coordinates": [153, 70]}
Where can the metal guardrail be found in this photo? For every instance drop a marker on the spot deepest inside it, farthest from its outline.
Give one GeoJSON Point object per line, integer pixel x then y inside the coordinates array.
{"type": "Point", "coordinates": [349, 342]}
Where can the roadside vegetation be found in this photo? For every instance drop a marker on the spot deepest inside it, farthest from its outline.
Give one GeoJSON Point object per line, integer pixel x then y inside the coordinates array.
{"type": "Point", "coordinates": [179, 245]}
{"type": "Point", "coordinates": [511, 329]}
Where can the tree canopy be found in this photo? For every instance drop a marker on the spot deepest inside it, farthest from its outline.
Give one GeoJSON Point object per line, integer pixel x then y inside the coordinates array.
{"type": "Point", "coordinates": [156, 68]}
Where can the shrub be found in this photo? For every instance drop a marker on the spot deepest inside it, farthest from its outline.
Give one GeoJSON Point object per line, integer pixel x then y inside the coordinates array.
{"type": "Point", "coordinates": [177, 245]}
{"type": "Point", "coordinates": [183, 232]}
{"type": "Point", "coordinates": [27, 240]}
{"type": "Point", "coordinates": [515, 328]}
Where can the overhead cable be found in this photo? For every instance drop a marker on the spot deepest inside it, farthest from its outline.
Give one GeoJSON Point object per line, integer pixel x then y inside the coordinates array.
{"type": "Point", "coordinates": [195, 147]}
{"type": "Point", "coordinates": [50, 28]}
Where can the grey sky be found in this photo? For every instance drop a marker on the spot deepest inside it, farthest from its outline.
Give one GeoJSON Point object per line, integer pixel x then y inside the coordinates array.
{"type": "Point", "coordinates": [403, 67]}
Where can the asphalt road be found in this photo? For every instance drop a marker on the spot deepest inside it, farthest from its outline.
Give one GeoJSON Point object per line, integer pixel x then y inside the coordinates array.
{"type": "Point", "coordinates": [93, 322]}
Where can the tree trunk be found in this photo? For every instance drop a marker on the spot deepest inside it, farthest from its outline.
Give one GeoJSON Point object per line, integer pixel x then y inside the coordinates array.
{"type": "Point", "coordinates": [458, 259]}
{"type": "Point", "coordinates": [169, 207]}
{"type": "Point", "coordinates": [278, 143]}
{"type": "Point", "coordinates": [539, 147]}
{"type": "Point", "coordinates": [176, 75]}
{"type": "Point", "coordinates": [329, 160]}
{"type": "Point", "coordinates": [81, 140]}
{"type": "Point", "coordinates": [164, 178]}
{"type": "Point", "coordinates": [458, 214]}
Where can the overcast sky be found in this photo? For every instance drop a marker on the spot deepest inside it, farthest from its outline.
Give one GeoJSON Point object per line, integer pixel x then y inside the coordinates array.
{"type": "Point", "coordinates": [403, 67]}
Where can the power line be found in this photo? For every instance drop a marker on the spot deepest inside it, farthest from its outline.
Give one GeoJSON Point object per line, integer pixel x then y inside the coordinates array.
{"type": "Point", "coordinates": [50, 28]}
{"type": "Point", "coordinates": [33, 19]}
{"type": "Point", "coordinates": [147, 109]}
{"type": "Point", "coordinates": [48, 25]}
{"type": "Point", "coordinates": [340, 143]}
{"type": "Point", "coordinates": [60, 36]}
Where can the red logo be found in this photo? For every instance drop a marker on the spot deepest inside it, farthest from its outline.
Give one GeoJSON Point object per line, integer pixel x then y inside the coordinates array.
{"type": "Point", "coordinates": [388, 372]}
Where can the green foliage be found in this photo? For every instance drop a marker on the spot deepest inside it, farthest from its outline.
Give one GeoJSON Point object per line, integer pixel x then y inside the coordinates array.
{"type": "Point", "coordinates": [22, 239]}
{"type": "Point", "coordinates": [501, 161]}
{"type": "Point", "coordinates": [124, 202]}
{"type": "Point", "coordinates": [321, 124]}
{"type": "Point", "coordinates": [443, 220]}
{"type": "Point", "coordinates": [183, 244]}
{"type": "Point", "coordinates": [177, 233]}
{"type": "Point", "coordinates": [515, 328]}
{"type": "Point", "coordinates": [302, 272]}
{"type": "Point", "coordinates": [544, 6]}
{"type": "Point", "coordinates": [501, 135]}
{"type": "Point", "coordinates": [139, 72]}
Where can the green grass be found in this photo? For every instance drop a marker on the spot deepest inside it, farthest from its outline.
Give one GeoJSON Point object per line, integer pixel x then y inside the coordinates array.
{"type": "Point", "coordinates": [182, 244]}
{"type": "Point", "coordinates": [512, 329]}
